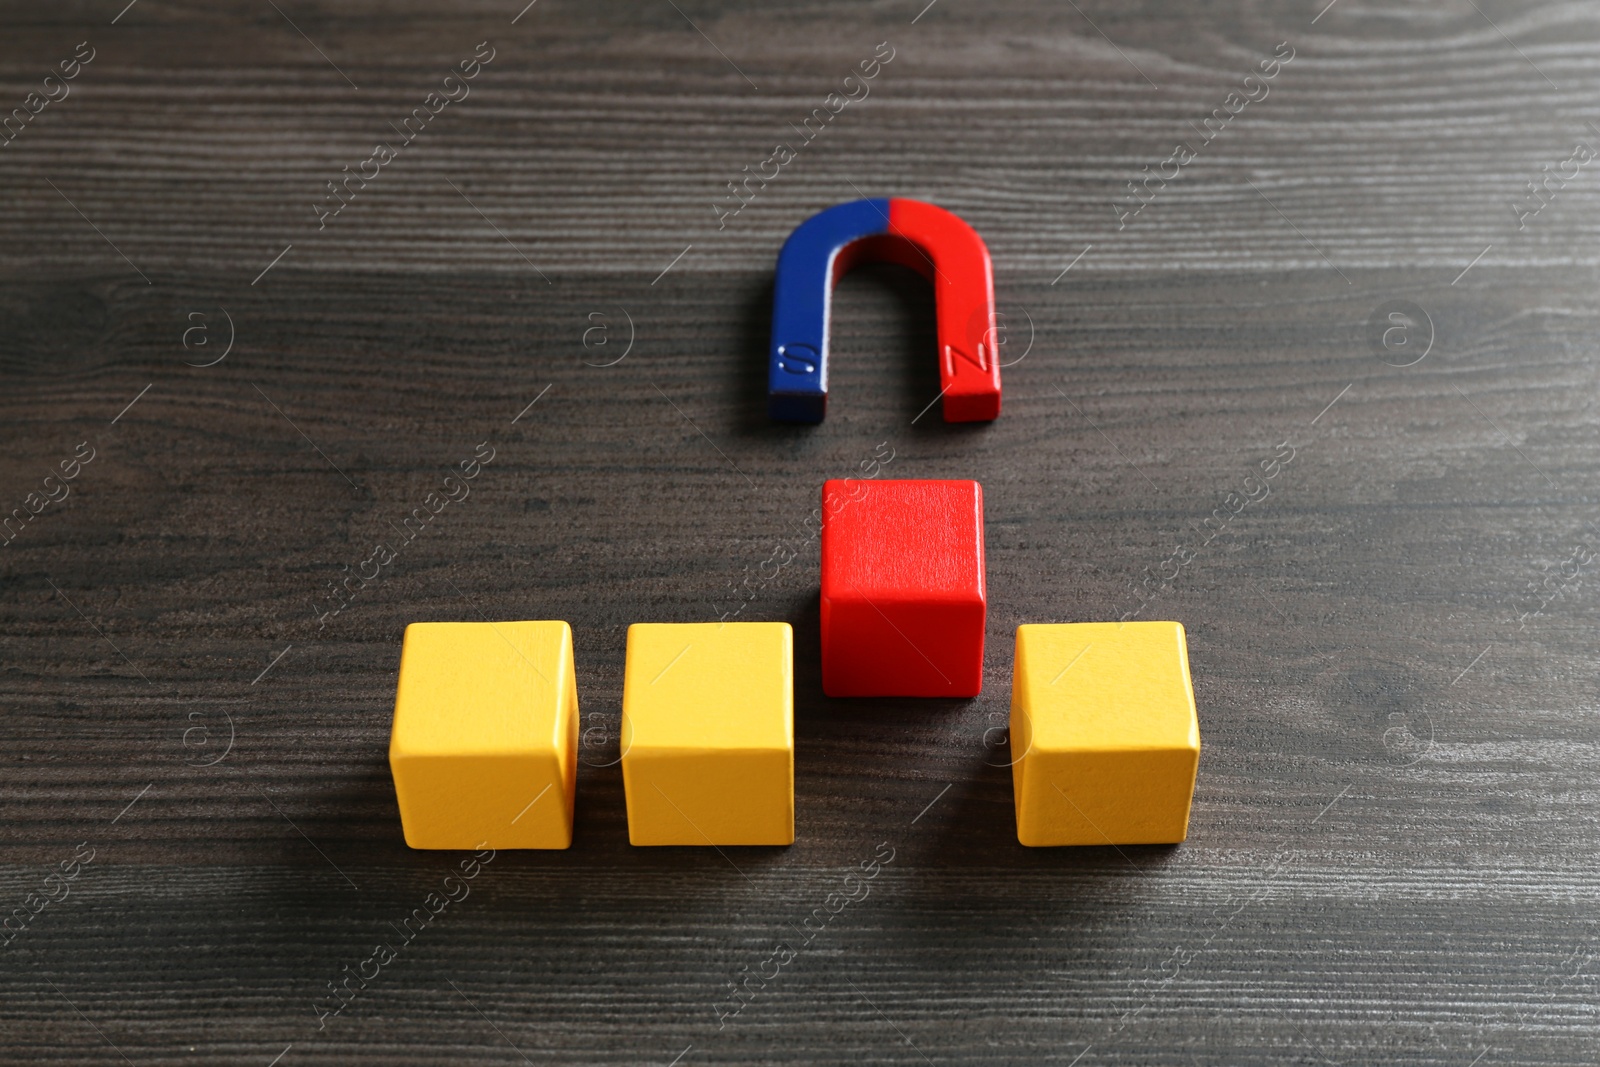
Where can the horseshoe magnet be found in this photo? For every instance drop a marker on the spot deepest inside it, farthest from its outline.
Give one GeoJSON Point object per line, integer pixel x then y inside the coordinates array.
{"type": "Point", "coordinates": [924, 237]}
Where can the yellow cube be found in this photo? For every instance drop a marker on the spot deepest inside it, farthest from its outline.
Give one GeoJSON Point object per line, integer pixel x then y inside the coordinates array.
{"type": "Point", "coordinates": [485, 740]}
{"type": "Point", "coordinates": [708, 733]}
{"type": "Point", "coordinates": [1104, 738]}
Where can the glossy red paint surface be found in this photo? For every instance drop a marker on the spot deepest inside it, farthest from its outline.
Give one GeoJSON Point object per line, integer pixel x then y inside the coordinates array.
{"type": "Point", "coordinates": [963, 295]}
{"type": "Point", "coordinates": [903, 588]}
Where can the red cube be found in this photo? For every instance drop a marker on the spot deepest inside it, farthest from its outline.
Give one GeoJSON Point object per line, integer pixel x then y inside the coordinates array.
{"type": "Point", "coordinates": [903, 604]}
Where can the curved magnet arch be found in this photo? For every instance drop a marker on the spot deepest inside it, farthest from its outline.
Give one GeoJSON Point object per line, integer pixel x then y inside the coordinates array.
{"type": "Point", "coordinates": [927, 238]}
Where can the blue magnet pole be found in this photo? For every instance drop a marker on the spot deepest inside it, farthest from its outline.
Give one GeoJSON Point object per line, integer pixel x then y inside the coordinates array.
{"type": "Point", "coordinates": [797, 373]}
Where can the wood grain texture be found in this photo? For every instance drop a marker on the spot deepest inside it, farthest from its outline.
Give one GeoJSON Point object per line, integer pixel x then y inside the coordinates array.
{"type": "Point", "coordinates": [1393, 851]}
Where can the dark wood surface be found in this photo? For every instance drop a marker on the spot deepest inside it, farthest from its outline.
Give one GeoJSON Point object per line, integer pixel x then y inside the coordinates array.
{"type": "Point", "coordinates": [1393, 852]}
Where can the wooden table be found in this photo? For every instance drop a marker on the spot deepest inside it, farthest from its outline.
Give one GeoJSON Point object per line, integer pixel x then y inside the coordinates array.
{"type": "Point", "coordinates": [1393, 852]}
